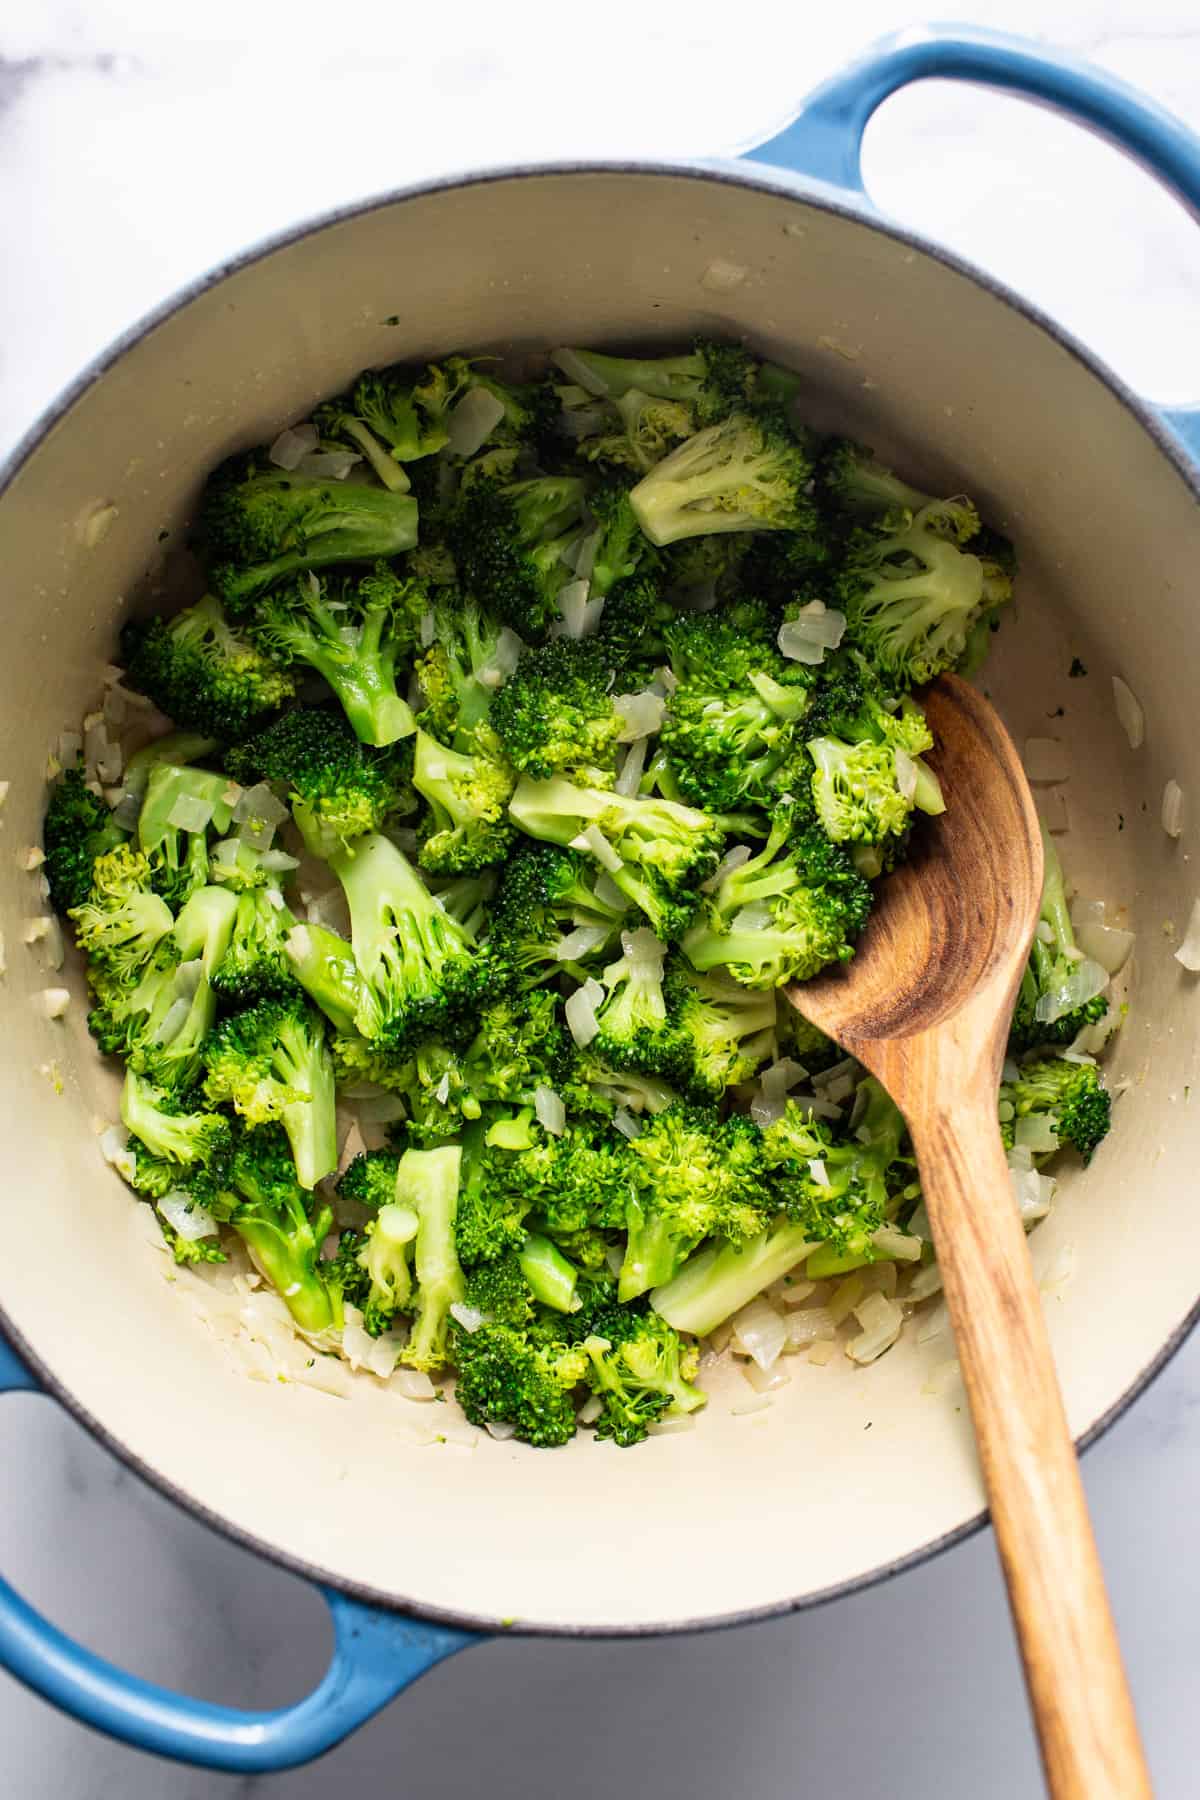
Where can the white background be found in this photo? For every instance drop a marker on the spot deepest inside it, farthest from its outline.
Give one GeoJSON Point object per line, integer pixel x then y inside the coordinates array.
{"type": "Point", "coordinates": [139, 143]}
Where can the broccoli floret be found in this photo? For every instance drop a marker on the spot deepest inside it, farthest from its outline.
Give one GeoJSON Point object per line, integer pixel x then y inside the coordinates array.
{"type": "Point", "coordinates": [555, 713]}
{"type": "Point", "coordinates": [1044, 1013]}
{"type": "Point", "coordinates": [392, 418]}
{"type": "Point", "coordinates": [544, 895]}
{"type": "Point", "coordinates": [127, 1014]}
{"type": "Point", "coordinates": [711, 380]}
{"type": "Point", "coordinates": [636, 430]}
{"type": "Point", "coordinates": [499, 1291]}
{"type": "Point", "coordinates": [338, 789]}
{"type": "Point", "coordinates": [419, 970]}
{"type": "Point", "coordinates": [272, 1062]}
{"type": "Point", "coordinates": [700, 571]}
{"type": "Point", "coordinates": [256, 965]}
{"type": "Point", "coordinates": [747, 473]}
{"type": "Point", "coordinates": [1070, 1097]}
{"type": "Point", "coordinates": [701, 1176]}
{"type": "Point", "coordinates": [323, 963]}
{"type": "Point", "coordinates": [799, 1038]}
{"type": "Point", "coordinates": [854, 483]}
{"type": "Point", "coordinates": [260, 524]}
{"type": "Point", "coordinates": [721, 1278]}
{"type": "Point", "coordinates": [665, 850]}
{"type": "Point", "coordinates": [187, 1140]}
{"type": "Point", "coordinates": [121, 922]}
{"type": "Point", "coordinates": [170, 1043]}
{"type": "Point", "coordinates": [731, 720]}
{"type": "Point", "coordinates": [427, 1183]}
{"type": "Point", "coordinates": [76, 830]}
{"type": "Point", "coordinates": [520, 1046]}
{"type": "Point", "coordinates": [642, 1370]}
{"type": "Point", "coordinates": [283, 1230]}
{"type": "Point", "coordinates": [493, 1201]}
{"type": "Point", "coordinates": [910, 597]}
{"type": "Point", "coordinates": [635, 1029]}
{"type": "Point", "coordinates": [190, 1252]}
{"type": "Point", "coordinates": [383, 1286]}
{"type": "Point", "coordinates": [467, 826]}
{"type": "Point", "coordinates": [358, 635]}
{"type": "Point", "coordinates": [506, 1379]}
{"type": "Point", "coordinates": [179, 855]}
{"type": "Point", "coordinates": [788, 569]}
{"type": "Point", "coordinates": [636, 614]}
{"type": "Point", "coordinates": [199, 671]}
{"type": "Point", "coordinates": [508, 540]}
{"type": "Point", "coordinates": [785, 914]}
{"type": "Point", "coordinates": [868, 776]}
{"type": "Point", "coordinates": [370, 1178]}
{"type": "Point", "coordinates": [459, 672]}
{"type": "Point", "coordinates": [723, 1030]}
{"type": "Point", "coordinates": [839, 1188]}
{"type": "Point", "coordinates": [622, 551]}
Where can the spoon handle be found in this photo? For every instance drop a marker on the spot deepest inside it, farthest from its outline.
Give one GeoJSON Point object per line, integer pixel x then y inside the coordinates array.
{"type": "Point", "coordinates": [1082, 1708]}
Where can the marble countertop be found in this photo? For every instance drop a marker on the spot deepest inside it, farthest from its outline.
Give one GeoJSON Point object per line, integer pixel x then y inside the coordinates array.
{"type": "Point", "coordinates": [126, 130]}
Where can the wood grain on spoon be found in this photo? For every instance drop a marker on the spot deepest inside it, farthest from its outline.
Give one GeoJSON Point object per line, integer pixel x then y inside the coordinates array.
{"type": "Point", "coordinates": [925, 1005]}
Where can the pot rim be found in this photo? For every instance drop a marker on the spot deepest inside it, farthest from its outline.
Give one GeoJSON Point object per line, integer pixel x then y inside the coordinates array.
{"type": "Point", "coordinates": [764, 179]}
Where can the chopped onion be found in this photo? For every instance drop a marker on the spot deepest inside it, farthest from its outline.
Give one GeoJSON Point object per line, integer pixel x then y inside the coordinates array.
{"type": "Point", "coordinates": [642, 713]}
{"type": "Point", "coordinates": [810, 1325]}
{"type": "Point", "coordinates": [258, 803]}
{"type": "Point", "coordinates": [733, 859]}
{"type": "Point", "coordinates": [414, 1384]}
{"type": "Point", "coordinates": [881, 1320]}
{"type": "Point", "coordinates": [172, 1020]}
{"type": "Point", "coordinates": [1104, 944]}
{"type": "Point", "coordinates": [504, 659]}
{"type": "Point", "coordinates": [641, 946]}
{"type": "Point", "coordinates": [580, 942]}
{"type": "Point", "coordinates": [924, 1284]}
{"type": "Point", "coordinates": [633, 765]}
{"type": "Point", "coordinates": [817, 1170]}
{"type": "Point", "coordinates": [1046, 761]}
{"type": "Point", "coordinates": [1173, 809]}
{"type": "Point", "coordinates": [722, 277]}
{"type": "Point", "coordinates": [114, 1147]}
{"type": "Point", "coordinates": [760, 1332]}
{"type": "Point", "coordinates": [582, 558]}
{"type": "Point", "coordinates": [752, 1404]}
{"type": "Point", "coordinates": [609, 894]}
{"type": "Point", "coordinates": [441, 1092]}
{"type": "Point", "coordinates": [127, 811]}
{"type": "Point", "coordinates": [1052, 805]}
{"type": "Point", "coordinates": [1188, 952]}
{"type": "Point", "coordinates": [781, 1077]}
{"type": "Point", "coordinates": [186, 1217]}
{"type": "Point", "coordinates": [469, 1317]}
{"type": "Point", "coordinates": [473, 421]}
{"type": "Point", "coordinates": [755, 917]}
{"type": "Point", "coordinates": [765, 1381]}
{"type": "Point", "coordinates": [1129, 712]}
{"type": "Point", "coordinates": [52, 1002]}
{"type": "Point", "coordinates": [1086, 980]}
{"type": "Point", "coordinates": [1035, 1133]}
{"type": "Point", "coordinates": [328, 465]}
{"type": "Point", "coordinates": [576, 369]}
{"type": "Point", "coordinates": [49, 934]}
{"type": "Point", "coordinates": [1032, 1192]}
{"type": "Point", "coordinates": [816, 629]}
{"type": "Point", "coordinates": [675, 1422]}
{"type": "Point", "coordinates": [900, 1245]}
{"type": "Point", "coordinates": [191, 813]}
{"type": "Point", "coordinates": [292, 445]}
{"type": "Point", "coordinates": [580, 616]}
{"type": "Point", "coordinates": [70, 747]}
{"type": "Point", "coordinates": [906, 773]}
{"type": "Point", "coordinates": [551, 1113]}
{"type": "Point", "coordinates": [580, 1012]}
{"type": "Point", "coordinates": [593, 839]}
{"type": "Point", "coordinates": [626, 1124]}
{"type": "Point", "coordinates": [501, 1430]}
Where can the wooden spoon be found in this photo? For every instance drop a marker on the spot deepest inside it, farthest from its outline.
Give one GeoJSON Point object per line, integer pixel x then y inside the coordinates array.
{"type": "Point", "coordinates": [925, 1005]}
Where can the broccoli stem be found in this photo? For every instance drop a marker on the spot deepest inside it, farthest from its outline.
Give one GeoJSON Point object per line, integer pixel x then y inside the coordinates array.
{"type": "Point", "coordinates": [719, 1280]}
{"type": "Point", "coordinates": [427, 1181]}
{"type": "Point", "coordinates": [311, 1125]}
{"type": "Point", "coordinates": [323, 964]}
{"type": "Point", "coordinates": [550, 1276]}
{"type": "Point", "coordinates": [286, 1265]}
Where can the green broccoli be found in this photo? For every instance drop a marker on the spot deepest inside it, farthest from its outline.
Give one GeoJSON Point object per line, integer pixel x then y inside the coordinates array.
{"type": "Point", "coordinates": [748, 473]}
{"type": "Point", "coordinates": [504, 1378]}
{"type": "Point", "coordinates": [642, 1370]}
{"type": "Point", "coordinates": [721, 1278]}
{"type": "Point", "coordinates": [283, 1230]}
{"type": "Point", "coordinates": [259, 524]}
{"type": "Point", "coordinates": [375, 1267]}
{"type": "Point", "coordinates": [1047, 1012]}
{"type": "Point", "coordinates": [723, 1031]}
{"type": "Point", "coordinates": [555, 714]}
{"type": "Point", "coordinates": [467, 826]}
{"type": "Point", "coordinates": [339, 790]}
{"type": "Point", "coordinates": [701, 1176]}
{"type": "Point", "coordinates": [187, 1139]}
{"type": "Point", "coordinates": [197, 669]}
{"type": "Point", "coordinates": [711, 380]}
{"type": "Point", "coordinates": [178, 852]}
{"type": "Point", "coordinates": [121, 922]}
{"type": "Point", "coordinates": [635, 1029]}
{"type": "Point", "coordinates": [545, 895]}
{"type": "Point", "coordinates": [272, 1062]}
{"type": "Point", "coordinates": [256, 965]}
{"type": "Point", "coordinates": [427, 1183]}
{"type": "Point", "coordinates": [1069, 1097]}
{"type": "Point", "coordinates": [910, 597]}
{"type": "Point", "coordinates": [76, 830]}
{"type": "Point", "coordinates": [852, 482]}
{"type": "Point", "coordinates": [459, 672]}
{"type": "Point", "coordinates": [166, 1041]}
{"type": "Point", "coordinates": [508, 540]}
{"type": "Point", "coordinates": [358, 635]}
{"type": "Point", "coordinates": [839, 1188]}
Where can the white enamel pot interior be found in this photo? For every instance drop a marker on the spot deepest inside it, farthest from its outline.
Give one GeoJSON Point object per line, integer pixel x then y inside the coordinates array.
{"type": "Point", "coordinates": [965, 390]}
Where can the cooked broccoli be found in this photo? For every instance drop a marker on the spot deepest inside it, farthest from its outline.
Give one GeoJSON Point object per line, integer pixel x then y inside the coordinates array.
{"type": "Point", "coordinates": [76, 830]}
{"type": "Point", "coordinates": [509, 539]}
{"type": "Point", "coordinates": [418, 968]}
{"type": "Point", "coordinates": [1047, 1011]}
{"type": "Point", "coordinates": [505, 1378]}
{"type": "Point", "coordinates": [283, 1229]}
{"type": "Point", "coordinates": [358, 635]}
{"type": "Point", "coordinates": [622, 552]}
{"type": "Point", "coordinates": [701, 1176]}
{"type": "Point", "coordinates": [323, 963]}
{"type": "Point", "coordinates": [427, 1184]}
{"type": "Point", "coordinates": [467, 826]}
{"type": "Point", "coordinates": [853, 482]}
{"type": "Point", "coordinates": [178, 852]}
{"type": "Point", "coordinates": [732, 716]}
{"type": "Point", "coordinates": [272, 1062]}
{"type": "Point", "coordinates": [369, 1178]}
{"type": "Point", "coordinates": [784, 914]}
{"type": "Point", "coordinates": [721, 1278]}
{"type": "Point", "coordinates": [197, 669]}
{"type": "Point", "coordinates": [555, 713]}
{"type": "Point", "coordinates": [376, 1275]}
{"type": "Point", "coordinates": [868, 776]}
{"type": "Point", "coordinates": [166, 1042]}
{"type": "Point", "coordinates": [499, 1291]}
{"type": "Point", "coordinates": [723, 1031]}
{"type": "Point", "coordinates": [642, 1370]}
{"type": "Point", "coordinates": [160, 1122]}
{"type": "Point", "coordinates": [636, 430]}
{"type": "Point", "coordinates": [260, 524]}
{"type": "Point", "coordinates": [910, 597]}
{"type": "Point", "coordinates": [665, 850]}
{"type": "Point", "coordinates": [493, 1200]}
{"type": "Point", "coordinates": [121, 922]}
{"type": "Point", "coordinates": [635, 1029]}
{"type": "Point", "coordinates": [839, 1187]}
{"type": "Point", "coordinates": [1069, 1097]}
{"type": "Point", "coordinates": [338, 789]}
{"type": "Point", "coordinates": [459, 672]}
{"type": "Point", "coordinates": [545, 895]}
{"type": "Point", "coordinates": [712, 380]}
{"type": "Point", "coordinates": [748, 473]}
{"type": "Point", "coordinates": [256, 965]}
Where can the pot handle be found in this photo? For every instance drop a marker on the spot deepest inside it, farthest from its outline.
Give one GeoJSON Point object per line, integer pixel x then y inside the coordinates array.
{"type": "Point", "coordinates": [824, 140]}
{"type": "Point", "coordinates": [376, 1655]}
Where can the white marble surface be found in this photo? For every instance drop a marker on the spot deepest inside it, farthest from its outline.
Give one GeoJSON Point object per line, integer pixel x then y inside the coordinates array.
{"type": "Point", "coordinates": [139, 143]}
